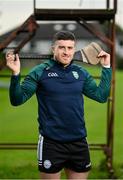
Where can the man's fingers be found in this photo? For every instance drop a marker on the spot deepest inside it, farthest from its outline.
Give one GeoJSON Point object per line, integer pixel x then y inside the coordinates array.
{"type": "Point", "coordinates": [103, 53]}
{"type": "Point", "coordinates": [10, 55]}
{"type": "Point", "coordinates": [16, 57]}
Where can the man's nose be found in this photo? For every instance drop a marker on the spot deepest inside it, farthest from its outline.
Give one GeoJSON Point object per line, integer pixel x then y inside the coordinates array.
{"type": "Point", "coordinates": [65, 50]}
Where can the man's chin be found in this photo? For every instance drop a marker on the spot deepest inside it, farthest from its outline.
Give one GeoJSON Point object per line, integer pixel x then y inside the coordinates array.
{"type": "Point", "coordinates": [66, 63]}
{"type": "Point", "coordinates": [66, 60]}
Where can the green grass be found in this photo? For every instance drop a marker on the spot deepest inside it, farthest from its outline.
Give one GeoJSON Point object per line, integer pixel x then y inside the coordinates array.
{"type": "Point", "coordinates": [19, 124]}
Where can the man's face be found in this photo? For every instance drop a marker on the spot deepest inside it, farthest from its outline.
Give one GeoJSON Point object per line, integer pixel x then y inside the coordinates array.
{"type": "Point", "coordinates": [63, 51]}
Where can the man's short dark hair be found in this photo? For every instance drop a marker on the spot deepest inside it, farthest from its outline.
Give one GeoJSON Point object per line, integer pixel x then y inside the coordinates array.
{"type": "Point", "coordinates": [63, 35]}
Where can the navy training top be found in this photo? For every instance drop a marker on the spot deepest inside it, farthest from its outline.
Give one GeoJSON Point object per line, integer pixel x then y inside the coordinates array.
{"type": "Point", "coordinates": [59, 94]}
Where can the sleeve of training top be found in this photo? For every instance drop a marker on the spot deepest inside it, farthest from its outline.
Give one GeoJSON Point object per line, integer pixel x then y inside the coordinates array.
{"type": "Point", "coordinates": [21, 92]}
{"type": "Point", "coordinates": [101, 92]}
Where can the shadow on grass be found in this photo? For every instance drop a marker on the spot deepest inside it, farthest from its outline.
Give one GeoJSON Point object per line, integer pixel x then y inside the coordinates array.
{"type": "Point", "coordinates": [30, 171]}
{"type": "Point", "coordinates": [102, 172]}
{"type": "Point", "coordinates": [19, 172]}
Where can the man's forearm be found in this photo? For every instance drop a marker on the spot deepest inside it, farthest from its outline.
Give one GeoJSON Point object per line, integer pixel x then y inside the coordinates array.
{"type": "Point", "coordinates": [20, 93]}
{"type": "Point", "coordinates": [15, 91]}
{"type": "Point", "coordinates": [99, 92]}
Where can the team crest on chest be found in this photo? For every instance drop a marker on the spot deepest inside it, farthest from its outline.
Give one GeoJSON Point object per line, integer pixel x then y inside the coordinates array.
{"type": "Point", "coordinates": [75, 74]}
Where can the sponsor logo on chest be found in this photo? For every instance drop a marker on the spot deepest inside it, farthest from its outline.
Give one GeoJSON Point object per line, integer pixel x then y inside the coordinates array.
{"type": "Point", "coordinates": [52, 74]}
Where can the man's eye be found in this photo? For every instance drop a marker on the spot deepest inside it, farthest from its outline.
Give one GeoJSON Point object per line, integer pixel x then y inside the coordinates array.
{"type": "Point", "coordinates": [61, 47]}
{"type": "Point", "coordinates": [70, 48]}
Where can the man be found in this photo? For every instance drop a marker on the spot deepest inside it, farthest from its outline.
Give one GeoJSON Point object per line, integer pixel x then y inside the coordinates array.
{"type": "Point", "coordinates": [59, 85]}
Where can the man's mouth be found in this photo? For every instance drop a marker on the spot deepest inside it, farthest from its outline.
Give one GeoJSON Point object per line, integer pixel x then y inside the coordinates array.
{"type": "Point", "coordinates": [65, 57]}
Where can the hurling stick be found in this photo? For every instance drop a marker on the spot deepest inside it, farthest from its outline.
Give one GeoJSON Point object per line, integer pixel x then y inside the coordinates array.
{"type": "Point", "coordinates": [89, 54]}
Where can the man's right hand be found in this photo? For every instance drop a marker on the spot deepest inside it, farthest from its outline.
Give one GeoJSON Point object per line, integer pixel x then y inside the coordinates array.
{"type": "Point", "coordinates": [13, 62]}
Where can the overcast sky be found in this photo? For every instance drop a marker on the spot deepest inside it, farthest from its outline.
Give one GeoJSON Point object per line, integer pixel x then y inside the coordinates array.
{"type": "Point", "coordinates": [15, 12]}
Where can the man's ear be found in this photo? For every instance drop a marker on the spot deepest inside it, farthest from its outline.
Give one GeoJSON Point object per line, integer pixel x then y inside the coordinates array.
{"type": "Point", "coordinates": [52, 49]}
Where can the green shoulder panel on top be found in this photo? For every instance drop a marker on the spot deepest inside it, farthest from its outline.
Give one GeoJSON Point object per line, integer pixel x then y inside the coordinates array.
{"type": "Point", "coordinates": [37, 71]}
{"type": "Point", "coordinates": [96, 92]}
{"type": "Point", "coordinates": [20, 93]}
{"type": "Point", "coordinates": [99, 92]}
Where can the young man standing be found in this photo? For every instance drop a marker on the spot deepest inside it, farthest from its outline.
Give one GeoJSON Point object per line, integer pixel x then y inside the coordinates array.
{"type": "Point", "coordinates": [59, 85]}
